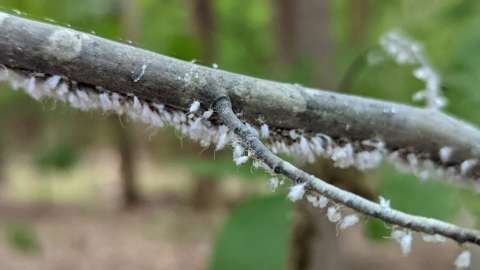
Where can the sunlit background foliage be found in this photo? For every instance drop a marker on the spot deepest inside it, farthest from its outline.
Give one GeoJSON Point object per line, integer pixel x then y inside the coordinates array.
{"type": "Point", "coordinates": [55, 157]}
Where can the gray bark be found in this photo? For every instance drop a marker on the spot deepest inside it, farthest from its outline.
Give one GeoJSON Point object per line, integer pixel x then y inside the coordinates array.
{"type": "Point", "coordinates": [315, 41]}
{"type": "Point", "coordinates": [50, 49]}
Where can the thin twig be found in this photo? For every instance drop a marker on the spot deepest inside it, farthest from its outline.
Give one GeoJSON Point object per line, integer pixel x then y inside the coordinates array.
{"type": "Point", "coordinates": [251, 141]}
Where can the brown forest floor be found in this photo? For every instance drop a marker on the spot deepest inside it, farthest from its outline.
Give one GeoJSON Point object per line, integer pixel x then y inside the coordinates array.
{"type": "Point", "coordinates": [75, 233]}
{"type": "Point", "coordinates": [168, 235]}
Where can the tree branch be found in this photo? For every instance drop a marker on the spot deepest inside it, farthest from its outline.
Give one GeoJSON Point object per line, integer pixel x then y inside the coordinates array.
{"type": "Point", "coordinates": [38, 47]}
{"type": "Point", "coordinates": [250, 140]}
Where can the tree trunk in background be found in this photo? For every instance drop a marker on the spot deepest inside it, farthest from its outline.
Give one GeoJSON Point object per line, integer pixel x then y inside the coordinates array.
{"type": "Point", "coordinates": [126, 150]}
{"type": "Point", "coordinates": [324, 251]}
{"type": "Point", "coordinates": [359, 14]}
{"type": "Point", "coordinates": [313, 241]}
{"type": "Point", "coordinates": [285, 22]}
{"type": "Point", "coordinates": [2, 164]}
{"type": "Point", "coordinates": [357, 34]}
{"type": "Point", "coordinates": [204, 26]}
{"type": "Point", "coordinates": [131, 19]}
{"type": "Point", "coordinates": [315, 39]}
{"type": "Point", "coordinates": [205, 193]}
{"type": "Point", "coordinates": [125, 141]}
{"type": "Point", "coordinates": [205, 190]}
{"type": "Point", "coordinates": [303, 29]}
{"type": "Point", "coordinates": [304, 35]}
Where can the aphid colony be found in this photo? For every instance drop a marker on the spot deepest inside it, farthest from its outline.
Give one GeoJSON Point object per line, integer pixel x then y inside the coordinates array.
{"type": "Point", "coordinates": [195, 123]}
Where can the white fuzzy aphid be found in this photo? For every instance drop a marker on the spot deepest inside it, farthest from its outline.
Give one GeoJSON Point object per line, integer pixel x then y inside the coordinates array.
{"type": "Point", "coordinates": [306, 150]}
{"type": "Point", "coordinates": [194, 106]}
{"type": "Point", "coordinates": [32, 89]}
{"type": "Point", "coordinates": [238, 150]}
{"type": "Point", "coordinates": [105, 102]}
{"type": "Point", "coordinates": [317, 145]}
{"type": "Point", "coordinates": [296, 192]}
{"type": "Point", "coordinates": [223, 138]}
{"type": "Point", "coordinates": [467, 166]}
{"type": "Point", "coordinates": [463, 260]}
{"type": "Point", "coordinates": [404, 238]}
{"type": "Point", "coordinates": [413, 161]}
{"type": "Point", "coordinates": [239, 156]}
{"type": "Point", "coordinates": [264, 131]}
{"type": "Point", "coordinates": [258, 164]}
{"type": "Point", "coordinates": [333, 214]}
{"type": "Point", "coordinates": [317, 201]}
{"type": "Point", "coordinates": [3, 71]}
{"type": "Point", "coordinates": [432, 92]}
{"type": "Point", "coordinates": [401, 48]}
{"type": "Point", "coordinates": [343, 156]}
{"type": "Point", "coordinates": [384, 203]}
{"type": "Point", "coordinates": [273, 183]}
{"type": "Point", "coordinates": [313, 200]}
{"type": "Point", "coordinates": [293, 134]}
{"type": "Point", "coordinates": [349, 221]}
{"type": "Point", "coordinates": [433, 238]}
{"type": "Point", "coordinates": [366, 160]}
{"type": "Point", "coordinates": [241, 160]}
{"type": "Point", "coordinates": [445, 154]}
{"type": "Point", "coordinates": [322, 201]}
{"type": "Point", "coordinates": [207, 114]}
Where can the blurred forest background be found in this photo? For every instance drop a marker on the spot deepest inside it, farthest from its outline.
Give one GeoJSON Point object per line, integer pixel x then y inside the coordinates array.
{"type": "Point", "coordinates": [95, 191]}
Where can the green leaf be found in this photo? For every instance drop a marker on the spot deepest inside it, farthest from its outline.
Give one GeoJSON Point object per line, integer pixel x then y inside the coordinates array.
{"type": "Point", "coordinates": [432, 198]}
{"type": "Point", "coordinates": [255, 236]}
{"type": "Point", "coordinates": [471, 201]}
{"type": "Point", "coordinates": [59, 157]}
{"type": "Point", "coordinates": [436, 199]}
{"type": "Point", "coordinates": [376, 230]}
{"type": "Point", "coordinates": [23, 238]}
{"type": "Point", "coordinates": [219, 168]}
{"type": "Point", "coordinates": [184, 47]}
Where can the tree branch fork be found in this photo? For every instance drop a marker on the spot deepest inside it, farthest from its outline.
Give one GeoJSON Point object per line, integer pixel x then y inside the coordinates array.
{"type": "Point", "coordinates": [90, 72]}
{"type": "Point", "coordinates": [250, 140]}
